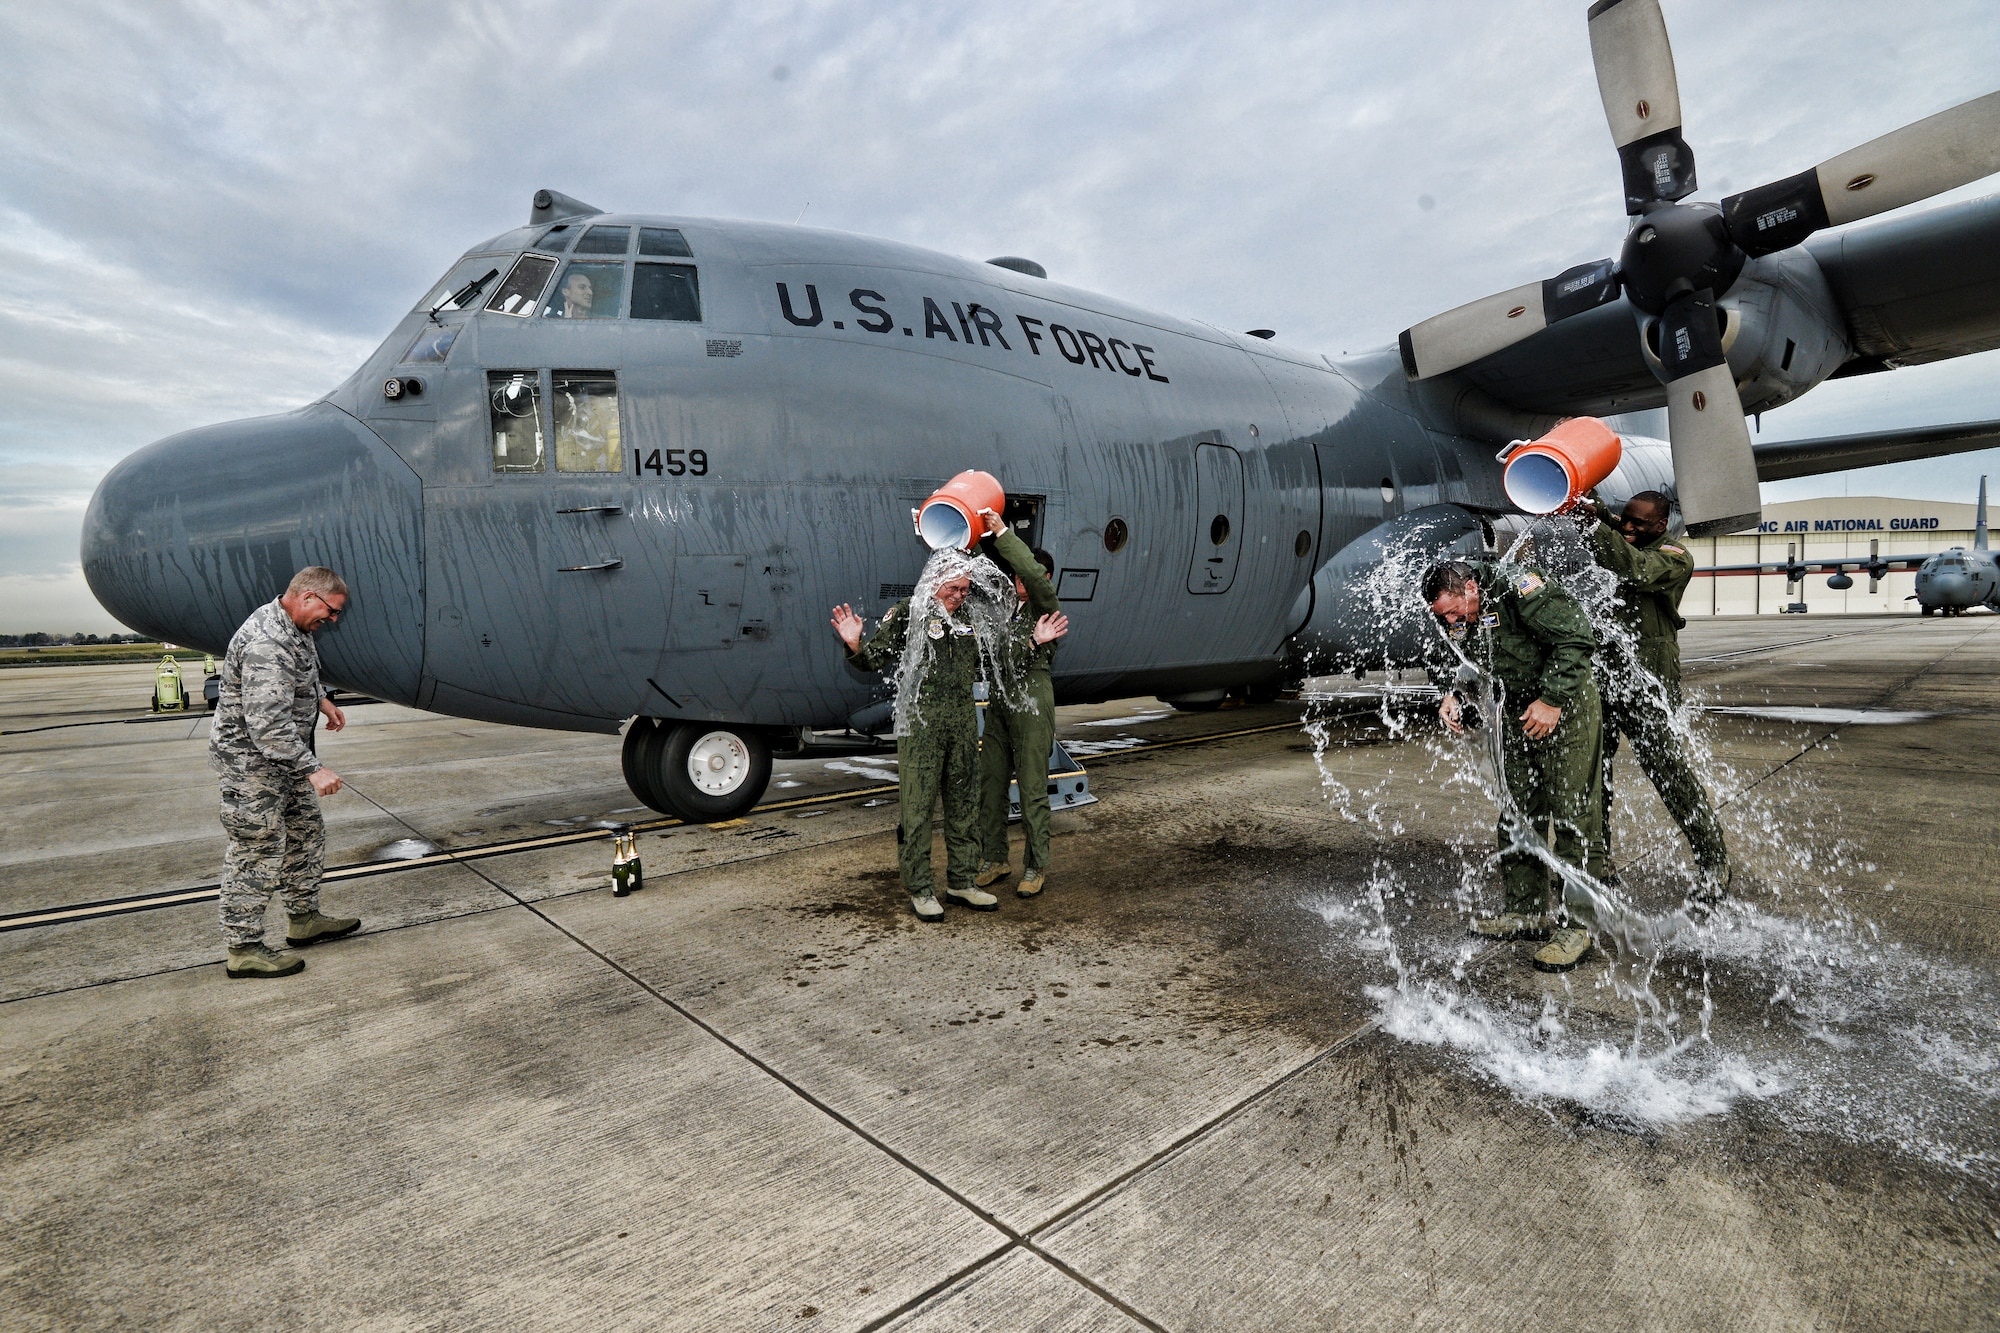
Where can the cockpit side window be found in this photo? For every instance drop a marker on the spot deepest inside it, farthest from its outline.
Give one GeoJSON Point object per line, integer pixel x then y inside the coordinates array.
{"type": "Point", "coordinates": [664, 241]}
{"type": "Point", "coordinates": [433, 344]}
{"type": "Point", "coordinates": [666, 291]}
{"type": "Point", "coordinates": [586, 419]}
{"type": "Point", "coordinates": [514, 403]}
{"type": "Point", "coordinates": [523, 284]}
{"type": "Point", "coordinates": [604, 241]}
{"type": "Point", "coordinates": [588, 291]}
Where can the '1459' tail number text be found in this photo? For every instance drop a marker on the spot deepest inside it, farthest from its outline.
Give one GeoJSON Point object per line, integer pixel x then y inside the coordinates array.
{"type": "Point", "coordinates": [671, 462]}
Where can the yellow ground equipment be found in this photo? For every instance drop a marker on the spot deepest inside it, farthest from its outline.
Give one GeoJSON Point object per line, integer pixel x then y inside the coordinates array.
{"type": "Point", "coordinates": [169, 694]}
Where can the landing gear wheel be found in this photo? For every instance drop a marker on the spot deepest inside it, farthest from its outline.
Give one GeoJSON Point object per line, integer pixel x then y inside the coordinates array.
{"type": "Point", "coordinates": [642, 741]}
{"type": "Point", "coordinates": [1263, 692]}
{"type": "Point", "coordinates": [709, 772]}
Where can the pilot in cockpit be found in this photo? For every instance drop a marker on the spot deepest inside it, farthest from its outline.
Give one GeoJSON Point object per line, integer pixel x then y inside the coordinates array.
{"type": "Point", "coordinates": [575, 298]}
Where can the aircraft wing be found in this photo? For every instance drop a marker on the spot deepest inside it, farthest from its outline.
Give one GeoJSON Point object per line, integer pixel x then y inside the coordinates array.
{"type": "Point", "coordinates": [1911, 289]}
{"type": "Point", "coordinates": [1798, 569]}
{"type": "Point", "coordinates": [1784, 459]}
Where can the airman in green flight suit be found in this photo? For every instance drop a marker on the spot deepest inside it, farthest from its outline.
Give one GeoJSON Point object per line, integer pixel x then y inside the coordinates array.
{"type": "Point", "coordinates": [1525, 631]}
{"type": "Point", "coordinates": [1653, 573]}
{"type": "Point", "coordinates": [1020, 720]}
{"type": "Point", "coordinates": [939, 751]}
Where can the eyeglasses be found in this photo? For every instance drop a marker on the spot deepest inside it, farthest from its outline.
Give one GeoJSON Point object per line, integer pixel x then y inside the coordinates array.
{"type": "Point", "coordinates": [332, 611]}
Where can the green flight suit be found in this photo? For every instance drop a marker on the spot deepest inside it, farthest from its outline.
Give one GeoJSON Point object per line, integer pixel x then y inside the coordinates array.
{"type": "Point", "coordinates": [1651, 580]}
{"type": "Point", "coordinates": [941, 752]}
{"type": "Point", "coordinates": [1534, 638]}
{"type": "Point", "coordinates": [1017, 741]}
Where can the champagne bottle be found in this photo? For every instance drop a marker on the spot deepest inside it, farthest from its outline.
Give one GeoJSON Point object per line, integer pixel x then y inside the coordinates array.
{"type": "Point", "coordinates": [621, 868]}
{"type": "Point", "coordinates": [632, 866]}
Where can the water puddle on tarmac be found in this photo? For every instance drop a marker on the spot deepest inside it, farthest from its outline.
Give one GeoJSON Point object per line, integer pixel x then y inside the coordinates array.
{"type": "Point", "coordinates": [403, 849]}
{"type": "Point", "coordinates": [1788, 996]}
{"type": "Point", "coordinates": [1828, 717]}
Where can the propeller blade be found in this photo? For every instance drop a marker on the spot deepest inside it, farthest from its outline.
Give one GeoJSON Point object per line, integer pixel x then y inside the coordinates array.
{"type": "Point", "coordinates": [1480, 328]}
{"type": "Point", "coordinates": [1715, 470]}
{"type": "Point", "coordinates": [1642, 101]}
{"type": "Point", "coordinates": [1928, 157]}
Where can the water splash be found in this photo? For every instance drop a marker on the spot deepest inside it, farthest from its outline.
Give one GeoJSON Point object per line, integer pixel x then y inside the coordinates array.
{"type": "Point", "coordinates": [987, 614]}
{"type": "Point", "coordinates": [1789, 997]}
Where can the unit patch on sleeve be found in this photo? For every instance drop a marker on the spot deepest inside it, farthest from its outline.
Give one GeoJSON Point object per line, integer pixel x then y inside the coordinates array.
{"type": "Point", "coordinates": [1528, 584]}
{"type": "Point", "coordinates": [1671, 549]}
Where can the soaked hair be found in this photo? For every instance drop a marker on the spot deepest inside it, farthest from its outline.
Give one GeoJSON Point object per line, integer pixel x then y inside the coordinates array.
{"type": "Point", "coordinates": [319, 579]}
{"type": "Point", "coordinates": [1446, 576]}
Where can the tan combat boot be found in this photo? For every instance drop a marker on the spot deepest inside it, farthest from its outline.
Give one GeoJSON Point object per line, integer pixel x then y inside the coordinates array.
{"type": "Point", "coordinates": [978, 900]}
{"type": "Point", "coordinates": [1512, 926]}
{"type": "Point", "coordinates": [1566, 948]}
{"type": "Point", "coordinates": [926, 906]}
{"type": "Point", "coordinates": [1031, 883]}
{"type": "Point", "coordinates": [310, 928]}
{"type": "Point", "coordinates": [261, 960]}
{"type": "Point", "coordinates": [990, 871]}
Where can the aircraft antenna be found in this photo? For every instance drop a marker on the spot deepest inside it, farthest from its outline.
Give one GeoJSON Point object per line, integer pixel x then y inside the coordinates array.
{"type": "Point", "coordinates": [1979, 520]}
{"type": "Point", "coordinates": [802, 214]}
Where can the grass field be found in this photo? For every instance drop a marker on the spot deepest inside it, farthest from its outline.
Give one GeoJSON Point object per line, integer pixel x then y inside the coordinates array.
{"type": "Point", "coordinates": [87, 654]}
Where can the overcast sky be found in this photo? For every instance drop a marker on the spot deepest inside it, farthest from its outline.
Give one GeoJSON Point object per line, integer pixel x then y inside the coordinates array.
{"type": "Point", "coordinates": [216, 210]}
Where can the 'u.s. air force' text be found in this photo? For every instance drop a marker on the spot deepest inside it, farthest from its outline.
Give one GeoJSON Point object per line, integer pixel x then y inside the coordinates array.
{"type": "Point", "coordinates": [1076, 346]}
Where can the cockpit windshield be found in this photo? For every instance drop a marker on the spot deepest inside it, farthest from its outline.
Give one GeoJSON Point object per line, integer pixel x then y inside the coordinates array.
{"type": "Point", "coordinates": [463, 274]}
{"type": "Point", "coordinates": [588, 291]}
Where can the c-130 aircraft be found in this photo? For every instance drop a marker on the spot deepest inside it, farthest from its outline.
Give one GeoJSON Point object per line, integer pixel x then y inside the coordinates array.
{"type": "Point", "coordinates": [615, 467]}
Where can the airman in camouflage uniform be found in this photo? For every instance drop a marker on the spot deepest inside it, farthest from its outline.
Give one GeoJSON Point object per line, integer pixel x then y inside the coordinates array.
{"type": "Point", "coordinates": [1525, 631]}
{"type": "Point", "coordinates": [1653, 573]}
{"type": "Point", "coordinates": [940, 751]}
{"type": "Point", "coordinates": [261, 750]}
{"type": "Point", "coordinates": [1020, 735]}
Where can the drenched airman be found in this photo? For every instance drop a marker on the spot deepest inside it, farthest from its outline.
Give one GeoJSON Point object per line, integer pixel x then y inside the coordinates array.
{"type": "Point", "coordinates": [930, 641]}
{"type": "Point", "coordinates": [1523, 631]}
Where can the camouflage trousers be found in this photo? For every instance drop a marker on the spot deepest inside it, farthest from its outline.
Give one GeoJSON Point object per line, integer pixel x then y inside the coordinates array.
{"type": "Point", "coordinates": [277, 844]}
{"type": "Point", "coordinates": [1017, 745]}
{"type": "Point", "coordinates": [939, 756]}
{"type": "Point", "coordinates": [1642, 716]}
{"type": "Point", "coordinates": [1555, 784]}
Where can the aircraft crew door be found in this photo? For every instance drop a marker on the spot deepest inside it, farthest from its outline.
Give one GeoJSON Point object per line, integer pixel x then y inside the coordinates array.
{"type": "Point", "coordinates": [606, 567]}
{"type": "Point", "coordinates": [1218, 536]}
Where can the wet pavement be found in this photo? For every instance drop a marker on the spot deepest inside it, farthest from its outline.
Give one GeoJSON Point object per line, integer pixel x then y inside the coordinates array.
{"type": "Point", "coordinates": [1179, 1090]}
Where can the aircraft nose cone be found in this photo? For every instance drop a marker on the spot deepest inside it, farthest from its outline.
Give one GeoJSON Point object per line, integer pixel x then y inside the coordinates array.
{"type": "Point", "coordinates": [189, 535]}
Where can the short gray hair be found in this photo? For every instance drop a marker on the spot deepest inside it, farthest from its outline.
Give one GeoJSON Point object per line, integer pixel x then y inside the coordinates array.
{"type": "Point", "coordinates": [319, 579]}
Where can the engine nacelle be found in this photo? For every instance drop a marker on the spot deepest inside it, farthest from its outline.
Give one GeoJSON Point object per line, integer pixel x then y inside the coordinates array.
{"type": "Point", "coordinates": [1781, 330]}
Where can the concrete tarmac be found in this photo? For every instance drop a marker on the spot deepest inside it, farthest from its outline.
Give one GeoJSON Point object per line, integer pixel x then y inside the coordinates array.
{"type": "Point", "coordinates": [1180, 1090]}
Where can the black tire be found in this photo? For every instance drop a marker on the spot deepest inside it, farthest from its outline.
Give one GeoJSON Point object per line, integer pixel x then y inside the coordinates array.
{"type": "Point", "coordinates": [734, 765]}
{"type": "Point", "coordinates": [641, 736]}
{"type": "Point", "coordinates": [1263, 692]}
{"type": "Point", "coordinates": [1193, 705]}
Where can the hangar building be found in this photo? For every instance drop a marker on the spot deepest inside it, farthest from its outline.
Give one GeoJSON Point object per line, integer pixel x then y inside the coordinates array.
{"type": "Point", "coordinates": [1820, 529]}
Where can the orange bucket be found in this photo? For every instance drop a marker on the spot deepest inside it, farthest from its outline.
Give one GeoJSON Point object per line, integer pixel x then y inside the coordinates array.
{"type": "Point", "coordinates": [1557, 470]}
{"type": "Point", "coordinates": [950, 518]}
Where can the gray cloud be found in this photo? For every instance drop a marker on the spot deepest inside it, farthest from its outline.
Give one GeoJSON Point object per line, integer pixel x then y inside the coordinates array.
{"type": "Point", "coordinates": [215, 210]}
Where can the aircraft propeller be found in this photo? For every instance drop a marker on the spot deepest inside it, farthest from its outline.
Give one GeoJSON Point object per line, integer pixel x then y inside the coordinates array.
{"type": "Point", "coordinates": [1678, 259]}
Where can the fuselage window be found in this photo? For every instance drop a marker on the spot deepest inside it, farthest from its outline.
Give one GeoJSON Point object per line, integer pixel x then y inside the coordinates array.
{"type": "Point", "coordinates": [434, 343]}
{"type": "Point", "coordinates": [588, 291]}
{"type": "Point", "coordinates": [557, 238]}
{"type": "Point", "coordinates": [604, 241]}
{"type": "Point", "coordinates": [663, 241]}
{"type": "Point", "coordinates": [586, 416]}
{"type": "Point", "coordinates": [666, 291]}
{"type": "Point", "coordinates": [517, 294]}
{"type": "Point", "coordinates": [514, 399]}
